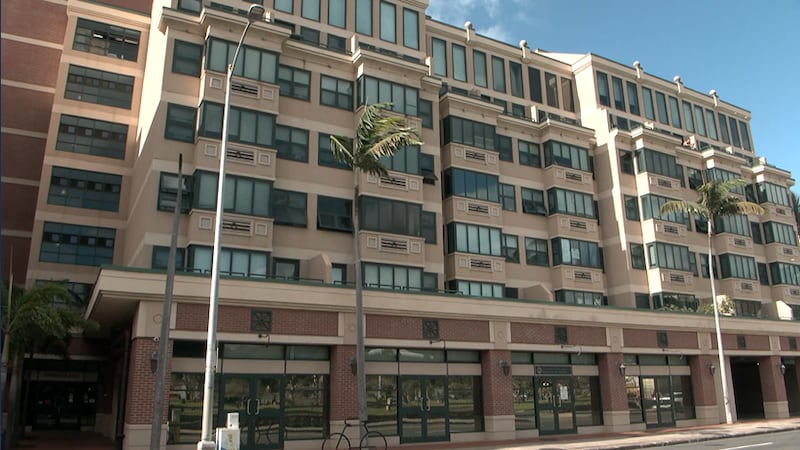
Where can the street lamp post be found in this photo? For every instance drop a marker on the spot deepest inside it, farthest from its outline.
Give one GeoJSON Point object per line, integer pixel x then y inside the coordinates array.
{"type": "Point", "coordinates": [255, 13]}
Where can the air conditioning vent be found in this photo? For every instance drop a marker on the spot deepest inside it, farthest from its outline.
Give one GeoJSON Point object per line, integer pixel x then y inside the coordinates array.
{"type": "Point", "coordinates": [664, 183]}
{"type": "Point", "coordinates": [478, 208]}
{"type": "Point", "coordinates": [246, 89]}
{"type": "Point", "coordinates": [747, 286]}
{"type": "Point", "coordinates": [475, 156]}
{"type": "Point", "coordinates": [780, 211]}
{"type": "Point", "coordinates": [394, 182]}
{"type": "Point", "coordinates": [788, 251]}
{"type": "Point", "coordinates": [480, 264]}
{"type": "Point", "coordinates": [583, 276]}
{"type": "Point", "coordinates": [739, 242]}
{"type": "Point", "coordinates": [241, 155]}
{"type": "Point", "coordinates": [237, 226]}
{"type": "Point", "coordinates": [578, 225]}
{"type": "Point", "coordinates": [671, 229]}
{"type": "Point", "coordinates": [572, 176]}
{"type": "Point", "coordinates": [394, 245]}
{"type": "Point", "coordinates": [677, 278]}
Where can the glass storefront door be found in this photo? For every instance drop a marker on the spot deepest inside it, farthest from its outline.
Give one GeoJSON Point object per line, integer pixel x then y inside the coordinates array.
{"type": "Point", "coordinates": [259, 401]}
{"type": "Point", "coordinates": [423, 409]}
{"type": "Point", "coordinates": [657, 401]}
{"type": "Point", "coordinates": [555, 405]}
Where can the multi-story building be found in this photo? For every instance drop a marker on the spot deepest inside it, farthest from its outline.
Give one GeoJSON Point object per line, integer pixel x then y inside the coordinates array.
{"type": "Point", "coordinates": [519, 279]}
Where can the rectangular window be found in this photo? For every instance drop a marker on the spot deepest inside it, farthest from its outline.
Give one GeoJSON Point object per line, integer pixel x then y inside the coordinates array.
{"type": "Point", "coordinates": [511, 248]}
{"type": "Point", "coordinates": [602, 88]}
{"type": "Point", "coordinates": [551, 89]}
{"type": "Point", "coordinates": [529, 153]}
{"type": "Point", "coordinates": [524, 409]}
{"type": "Point", "coordinates": [96, 86]}
{"type": "Point", "coordinates": [498, 74]}
{"type": "Point", "coordinates": [651, 209]}
{"type": "Point", "coordinates": [245, 126]}
{"type": "Point", "coordinates": [566, 155]}
{"type": "Point", "coordinates": [84, 189]}
{"type": "Point", "coordinates": [535, 84]}
{"type": "Point", "coordinates": [688, 116]}
{"type": "Point", "coordinates": [337, 43]}
{"type": "Point", "coordinates": [310, 9]}
{"type": "Point", "coordinates": [469, 184]}
{"type": "Point", "coordinates": [334, 214]}
{"type": "Point", "coordinates": [468, 132]}
{"type": "Point", "coordinates": [747, 308]}
{"type": "Point", "coordinates": [325, 155]}
{"type": "Point", "coordinates": [388, 27]}
{"type": "Point", "coordinates": [187, 58]}
{"type": "Point", "coordinates": [426, 113]}
{"type": "Point", "coordinates": [567, 95]}
{"type": "Point", "coordinates": [476, 239]}
{"type": "Point", "coordinates": [336, 92]}
{"type": "Point", "coordinates": [533, 201]}
{"type": "Point", "coordinates": [675, 112]}
{"type": "Point", "coordinates": [160, 258]}
{"type": "Point", "coordinates": [737, 266]}
{"type": "Point", "coordinates": [661, 101]}
{"type": "Point", "coordinates": [755, 231]}
{"type": "Point", "coordinates": [619, 93]}
{"type": "Point", "coordinates": [479, 68]}
{"type": "Point", "coordinates": [232, 262]}
{"type": "Point", "coordinates": [291, 143]}
{"type": "Point", "coordinates": [384, 276]}
{"type": "Point", "coordinates": [579, 297]}
{"type": "Point", "coordinates": [284, 5]}
{"type": "Point", "coordinates": [168, 192]}
{"type": "Point", "coordinates": [647, 101]}
{"type": "Point", "coordinates": [505, 149]}
{"type": "Point", "coordinates": [637, 256]}
{"type": "Point", "coordinates": [390, 216]}
{"type": "Point", "coordinates": [562, 201]}
{"type": "Point", "coordinates": [337, 12]}
{"type": "Point", "coordinates": [773, 193]}
{"type": "Point", "coordinates": [669, 256]}
{"type": "Point", "coordinates": [745, 135]}
{"type": "Point", "coordinates": [65, 243]}
{"type": "Point", "coordinates": [734, 128]}
{"type": "Point", "coordinates": [631, 207]}
{"type": "Point", "coordinates": [364, 17]}
{"type": "Point", "coordinates": [295, 83]}
{"type": "Point", "coordinates": [180, 123]}
{"type": "Point", "coordinates": [92, 137]}
{"type": "Point", "coordinates": [626, 162]}
{"type": "Point", "coordinates": [338, 273]}
{"type": "Point", "coordinates": [763, 274]}
{"type": "Point", "coordinates": [659, 163]}
{"type": "Point", "coordinates": [404, 99]}
{"type": "Point", "coordinates": [515, 76]}
{"type": "Point", "coordinates": [427, 169]}
{"type": "Point", "coordinates": [428, 224]}
{"type": "Point", "coordinates": [574, 252]}
{"type": "Point", "coordinates": [633, 98]}
{"type": "Point", "coordinates": [192, 6]}
{"type": "Point", "coordinates": [289, 208]}
{"type": "Point", "coordinates": [536, 253]}
{"type": "Point", "coordinates": [404, 159]}
{"type": "Point", "coordinates": [784, 273]}
{"type": "Point", "coordinates": [476, 288]}
{"type": "Point", "coordinates": [247, 196]}
{"type": "Point", "coordinates": [439, 50]}
{"type": "Point", "coordinates": [700, 120]}
{"type": "Point", "coordinates": [779, 232]}
{"type": "Point", "coordinates": [723, 128]}
{"type": "Point", "coordinates": [253, 63]}
{"type": "Point", "coordinates": [712, 125]}
{"type": "Point", "coordinates": [285, 269]}
{"type": "Point", "coordinates": [508, 197]}
{"type": "Point", "coordinates": [737, 224]}
{"type": "Point", "coordinates": [459, 62]}
{"type": "Point", "coordinates": [104, 39]}
{"type": "Point", "coordinates": [410, 29]}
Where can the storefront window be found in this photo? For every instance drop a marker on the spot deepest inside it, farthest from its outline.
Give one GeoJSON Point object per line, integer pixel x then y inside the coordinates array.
{"type": "Point", "coordinates": [634, 399]}
{"type": "Point", "coordinates": [466, 404]}
{"type": "Point", "coordinates": [185, 408]}
{"type": "Point", "coordinates": [588, 408]}
{"type": "Point", "coordinates": [682, 397]}
{"type": "Point", "coordinates": [382, 403]}
{"type": "Point", "coordinates": [524, 405]}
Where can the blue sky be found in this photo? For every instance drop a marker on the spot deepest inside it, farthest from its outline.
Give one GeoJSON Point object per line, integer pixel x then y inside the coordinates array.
{"type": "Point", "coordinates": [748, 51]}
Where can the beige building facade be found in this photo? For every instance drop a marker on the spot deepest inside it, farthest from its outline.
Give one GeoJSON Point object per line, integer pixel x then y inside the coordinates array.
{"type": "Point", "coordinates": [519, 279]}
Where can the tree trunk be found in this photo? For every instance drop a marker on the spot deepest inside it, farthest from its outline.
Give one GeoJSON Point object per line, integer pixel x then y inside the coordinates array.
{"type": "Point", "coordinates": [723, 371]}
{"type": "Point", "coordinates": [361, 376]}
{"type": "Point", "coordinates": [13, 411]}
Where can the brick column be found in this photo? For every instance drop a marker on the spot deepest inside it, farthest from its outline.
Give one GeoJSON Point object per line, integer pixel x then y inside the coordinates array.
{"type": "Point", "coordinates": [773, 387]}
{"type": "Point", "coordinates": [704, 388]}
{"type": "Point", "coordinates": [616, 415]}
{"type": "Point", "coordinates": [793, 382]}
{"type": "Point", "coordinates": [139, 403]}
{"type": "Point", "coordinates": [343, 399]}
{"type": "Point", "coordinates": [498, 394]}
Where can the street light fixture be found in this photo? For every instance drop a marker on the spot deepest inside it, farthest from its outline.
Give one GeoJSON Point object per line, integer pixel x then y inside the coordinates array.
{"type": "Point", "coordinates": [255, 13]}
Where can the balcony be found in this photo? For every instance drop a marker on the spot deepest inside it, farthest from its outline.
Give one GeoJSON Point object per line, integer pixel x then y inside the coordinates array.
{"type": "Point", "coordinates": [396, 185]}
{"type": "Point", "coordinates": [392, 248]}
{"type": "Point", "coordinates": [732, 243]}
{"type": "Point", "coordinates": [740, 289]}
{"type": "Point", "coordinates": [573, 227]}
{"type": "Point", "coordinates": [459, 209]}
{"type": "Point", "coordinates": [568, 178]}
{"type": "Point", "coordinates": [464, 266]}
{"type": "Point", "coordinates": [237, 230]}
{"type": "Point", "coordinates": [242, 159]}
{"type": "Point", "coordinates": [471, 158]}
{"type": "Point", "coordinates": [578, 278]}
{"type": "Point", "coordinates": [782, 253]}
{"type": "Point", "coordinates": [245, 93]}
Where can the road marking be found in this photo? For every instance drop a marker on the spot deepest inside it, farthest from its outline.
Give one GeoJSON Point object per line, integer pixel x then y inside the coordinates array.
{"type": "Point", "coordinates": [764, 444]}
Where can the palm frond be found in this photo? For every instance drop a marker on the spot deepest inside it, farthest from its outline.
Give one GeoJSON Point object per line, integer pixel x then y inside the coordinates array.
{"type": "Point", "coordinates": [681, 206]}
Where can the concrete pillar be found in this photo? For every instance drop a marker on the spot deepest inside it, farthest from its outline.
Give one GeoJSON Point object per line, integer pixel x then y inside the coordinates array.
{"type": "Point", "coordinates": [705, 380]}
{"type": "Point", "coordinates": [616, 415]}
{"type": "Point", "coordinates": [773, 387]}
{"type": "Point", "coordinates": [343, 399]}
{"type": "Point", "coordinates": [498, 394]}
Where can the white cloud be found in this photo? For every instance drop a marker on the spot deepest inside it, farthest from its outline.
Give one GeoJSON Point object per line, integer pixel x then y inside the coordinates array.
{"type": "Point", "coordinates": [489, 17]}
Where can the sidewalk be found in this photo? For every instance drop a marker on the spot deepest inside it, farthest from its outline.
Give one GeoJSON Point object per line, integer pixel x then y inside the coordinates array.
{"type": "Point", "coordinates": [649, 438]}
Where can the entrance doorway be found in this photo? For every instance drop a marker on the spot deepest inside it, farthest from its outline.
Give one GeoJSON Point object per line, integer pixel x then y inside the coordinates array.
{"type": "Point", "coordinates": [423, 409]}
{"type": "Point", "coordinates": [658, 402]}
{"type": "Point", "coordinates": [747, 393]}
{"type": "Point", "coordinates": [555, 405]}
{"type": "Point", "coordinates": [259, 401]}
{"type": "Point", "coordinates": [61, 405]}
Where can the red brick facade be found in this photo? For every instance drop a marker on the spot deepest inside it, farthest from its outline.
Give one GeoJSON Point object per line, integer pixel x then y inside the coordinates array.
{"type": "Point", "coordinates": [527, 333]}
{"type": "Point", "coordinates": [236, 319]}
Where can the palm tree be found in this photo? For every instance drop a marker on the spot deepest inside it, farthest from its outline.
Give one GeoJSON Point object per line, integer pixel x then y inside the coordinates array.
{"type": "Point", "coordinates": [30, 322]}
{"type": "Point", "coordinates": [378, 136]}
{"type": "Point", "coordinates": [715, 201]}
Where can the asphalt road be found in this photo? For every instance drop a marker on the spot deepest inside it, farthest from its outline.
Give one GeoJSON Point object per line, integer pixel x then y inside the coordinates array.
{"type": "Point", "coordinates": [769, 441]}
